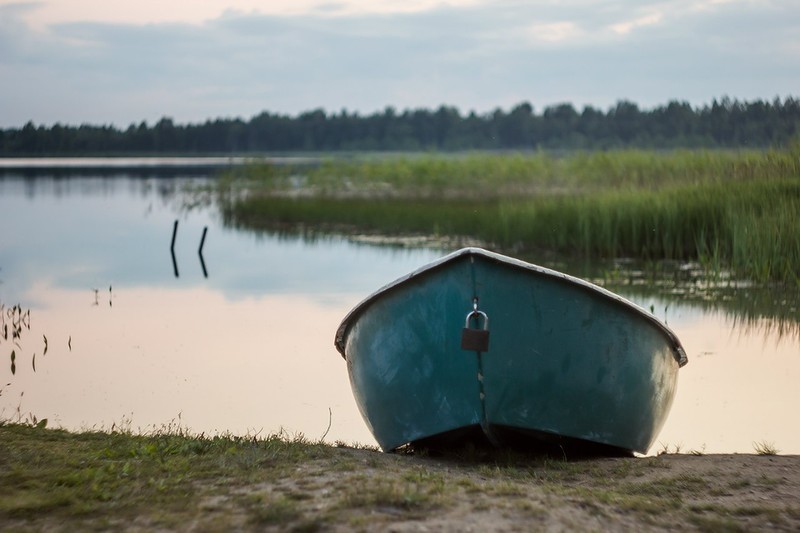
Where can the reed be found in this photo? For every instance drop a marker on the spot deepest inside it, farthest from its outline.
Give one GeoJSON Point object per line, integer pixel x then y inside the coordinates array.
{"type": "Point", "coordinates": [751, 227]}
{"type": "Point", "coordinates": [734, 210]}
{"type": "Point", "coordinates": [504, 174]}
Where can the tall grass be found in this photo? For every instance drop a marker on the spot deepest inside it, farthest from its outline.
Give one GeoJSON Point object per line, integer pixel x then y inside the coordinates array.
{"type": "Point", "coordinates": [504, 174]}
{"type": "Point", "coordinates": [751, 227]}
{"type": "Point", "coordinates": [736, 210]}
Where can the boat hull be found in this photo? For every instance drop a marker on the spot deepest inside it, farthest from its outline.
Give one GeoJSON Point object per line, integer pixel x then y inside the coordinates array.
{"type": "Point", "coordinates": [566, 359]}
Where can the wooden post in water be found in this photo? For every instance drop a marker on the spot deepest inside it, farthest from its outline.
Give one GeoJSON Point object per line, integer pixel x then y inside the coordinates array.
{"type": "Point", "coordinates": [172, 247]}
{"type": "Point", "coordinates": [200, 251]}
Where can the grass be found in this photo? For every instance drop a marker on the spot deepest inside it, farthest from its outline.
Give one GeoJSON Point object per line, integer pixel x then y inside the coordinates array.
{"type": "Point", "coordinates": [727, 210]}
{"type": "Point", "coordinates": [765, 448]}
{"type": "Point", "coordinates": [171, 480]}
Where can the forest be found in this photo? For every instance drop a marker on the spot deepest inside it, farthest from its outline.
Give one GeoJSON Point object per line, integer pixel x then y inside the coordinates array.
{"type": "Point", "coordinates": [724, 123]}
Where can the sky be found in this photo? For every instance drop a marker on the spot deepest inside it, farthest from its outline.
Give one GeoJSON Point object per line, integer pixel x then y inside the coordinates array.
{"type": "Point", "coordinates": [107, 62]}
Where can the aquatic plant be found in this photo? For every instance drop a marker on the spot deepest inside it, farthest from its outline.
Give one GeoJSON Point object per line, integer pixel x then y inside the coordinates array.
{"type": "Point", "coordinates": [19, 320]}
{"type": "Point", "coordinates": [14, 322]}
{"type": "Point", "coordinates": [727, 210]}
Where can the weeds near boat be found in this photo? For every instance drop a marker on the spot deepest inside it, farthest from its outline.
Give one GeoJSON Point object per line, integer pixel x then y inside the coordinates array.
{"type": "Point", "coordinates": [676, 449]}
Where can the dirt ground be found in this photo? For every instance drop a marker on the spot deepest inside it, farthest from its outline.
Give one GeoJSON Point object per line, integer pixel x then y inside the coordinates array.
{"type": "Point", "coordinates": [714, 492]}
{"type": "Point", "coordinates": [668, 492]}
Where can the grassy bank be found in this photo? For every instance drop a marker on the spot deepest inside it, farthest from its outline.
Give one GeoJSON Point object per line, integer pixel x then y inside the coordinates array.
{"type": "Point", "coordinates": [732, 210]}
{"type": "Point", "coordinates": [55, 480]}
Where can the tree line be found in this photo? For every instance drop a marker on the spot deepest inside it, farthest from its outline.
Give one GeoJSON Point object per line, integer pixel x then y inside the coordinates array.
{"type": "Point", "coordinates": [725, 123]}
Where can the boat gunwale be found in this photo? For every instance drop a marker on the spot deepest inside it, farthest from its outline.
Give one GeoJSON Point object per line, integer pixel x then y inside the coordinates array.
{"type": "Point", "coordinates": [355, 312]}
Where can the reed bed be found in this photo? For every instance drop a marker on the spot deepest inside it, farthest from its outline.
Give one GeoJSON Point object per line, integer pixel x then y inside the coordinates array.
{"type": "Point", "coordinates": [728, 210]}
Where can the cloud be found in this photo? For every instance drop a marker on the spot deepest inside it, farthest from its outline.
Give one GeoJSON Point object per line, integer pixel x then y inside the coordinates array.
{"type": "Point", "coordinates": [476, 56]}
{"type": "Point", "coordinates": [47, 13]}
{"type": "Point", "coordinates": [553, 32]}
{"type": "Point", "coordinates": [629, 25]}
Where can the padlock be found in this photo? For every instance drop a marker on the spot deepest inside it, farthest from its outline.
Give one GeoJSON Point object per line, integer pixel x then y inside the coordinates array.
{"type": "Point", "coordinates": [475, 340]}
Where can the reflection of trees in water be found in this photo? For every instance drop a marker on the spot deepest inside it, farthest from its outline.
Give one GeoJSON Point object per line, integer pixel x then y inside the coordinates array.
{"type": "Point", "coordinates": [163, 182]}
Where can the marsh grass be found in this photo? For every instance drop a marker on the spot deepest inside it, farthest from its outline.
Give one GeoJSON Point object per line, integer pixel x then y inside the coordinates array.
{"type": "Point", "coordinates": [727, 210]}
{"type": "Point", "coordinates": [477, 175]}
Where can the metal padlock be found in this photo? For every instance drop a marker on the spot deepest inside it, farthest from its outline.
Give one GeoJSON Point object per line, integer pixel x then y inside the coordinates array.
{"type": "Point", "coordinates": [475, 340]}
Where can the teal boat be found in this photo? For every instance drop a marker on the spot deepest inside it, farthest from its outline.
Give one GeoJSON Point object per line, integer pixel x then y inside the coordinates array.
{"type": "Point", "coordinates": [477, 345]}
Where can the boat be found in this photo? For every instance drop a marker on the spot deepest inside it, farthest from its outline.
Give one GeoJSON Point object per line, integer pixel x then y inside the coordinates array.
{"type": "Point", "coordinates": [478, 345]}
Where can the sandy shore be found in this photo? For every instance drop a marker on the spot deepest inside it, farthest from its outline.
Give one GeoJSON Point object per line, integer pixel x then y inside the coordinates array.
{"type": "Point", "coordinates": [668, 492]}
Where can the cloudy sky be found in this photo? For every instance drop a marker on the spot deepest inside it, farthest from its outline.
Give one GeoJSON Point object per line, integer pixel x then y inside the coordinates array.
{"type": "Point", "coordinates": [113, 62]}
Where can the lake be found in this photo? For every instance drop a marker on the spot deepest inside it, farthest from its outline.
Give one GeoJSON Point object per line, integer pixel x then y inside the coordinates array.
{"type": "Point", "coordinates": [117, 331]}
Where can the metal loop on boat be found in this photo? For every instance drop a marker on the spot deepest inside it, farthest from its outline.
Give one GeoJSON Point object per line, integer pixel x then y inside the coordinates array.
{"type": "Point", "coordinates": [476, 313]}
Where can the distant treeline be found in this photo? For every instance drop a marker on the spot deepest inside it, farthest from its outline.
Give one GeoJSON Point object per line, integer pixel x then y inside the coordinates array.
{"type": "Point", "coordinates": [725, 123]}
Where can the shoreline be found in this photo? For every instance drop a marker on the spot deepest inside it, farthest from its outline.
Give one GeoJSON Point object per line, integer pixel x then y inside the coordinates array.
{"type": "Point", "coordinates": [61, 481]}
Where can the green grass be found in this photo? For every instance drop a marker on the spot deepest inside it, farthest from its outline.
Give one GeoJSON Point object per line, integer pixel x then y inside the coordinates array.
{"type": "Point", "coordinates": [496, 175]}
{"type": "Point", "coordinates": [171, 480]}
{"type": "Point", "coordinates": [54, 473]}
{"type": "Point", "coordinates": [733, 211]}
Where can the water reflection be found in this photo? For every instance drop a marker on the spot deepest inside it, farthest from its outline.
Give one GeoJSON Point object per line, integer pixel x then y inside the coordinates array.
{"type": "Point", "coordinates": [259, 363]}
{"type": "Point", "coordinates": [739, 388]}
{"type": "Point", "coordinates": [249, 347]}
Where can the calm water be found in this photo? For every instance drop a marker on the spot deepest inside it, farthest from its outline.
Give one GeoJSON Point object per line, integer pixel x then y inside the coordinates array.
{"type": "Point", "coordinates": [247, 345]}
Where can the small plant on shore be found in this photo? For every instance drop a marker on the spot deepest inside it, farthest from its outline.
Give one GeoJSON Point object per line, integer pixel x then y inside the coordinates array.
{"type": "Point", "coordinates": [700, 452]}
{"type": "Point", "coordinates": [765, 448]}
{"type": "Point", "coordinates": [676, 449]}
